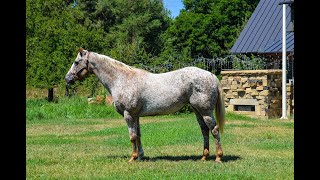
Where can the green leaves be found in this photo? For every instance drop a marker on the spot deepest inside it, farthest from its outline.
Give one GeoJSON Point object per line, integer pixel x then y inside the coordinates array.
{"type": "Point", "coordinates": [207, 28]}
{"type": "Point", "coordinates": [53, 34]}
{"type": "Point", "coordinates": [138, 32]}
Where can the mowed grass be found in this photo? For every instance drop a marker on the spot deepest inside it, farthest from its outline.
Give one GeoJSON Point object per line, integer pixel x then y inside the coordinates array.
{"type": "Point", "coordinates": [99, 148]}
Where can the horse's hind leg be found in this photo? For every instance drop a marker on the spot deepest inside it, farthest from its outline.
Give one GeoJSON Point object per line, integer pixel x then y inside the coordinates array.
{"type": "Point", "coordinates": [205, 134]}
{"type": "Point", "coordinates": [214, 129]}
{"type": "Point", "coordinates": [132, 123]}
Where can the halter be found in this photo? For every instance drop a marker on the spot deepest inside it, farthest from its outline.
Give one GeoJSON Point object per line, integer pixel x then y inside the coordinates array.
{"type": "Point", "coordinates": [86, 66]}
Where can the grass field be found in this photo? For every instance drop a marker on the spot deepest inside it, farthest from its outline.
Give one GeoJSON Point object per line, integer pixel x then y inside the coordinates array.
{"type": "Point", "coordinates": [77, 145]}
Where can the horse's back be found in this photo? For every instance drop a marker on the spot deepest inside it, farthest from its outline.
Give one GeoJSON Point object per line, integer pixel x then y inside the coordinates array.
{"type": "Point", "coordinates": [182, 79]}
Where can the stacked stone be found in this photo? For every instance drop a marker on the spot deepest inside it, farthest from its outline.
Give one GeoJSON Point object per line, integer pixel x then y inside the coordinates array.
{"type": "Point", "coordinates": [99, 99]}
{"type": "Point", "coordinates": [262, 85]}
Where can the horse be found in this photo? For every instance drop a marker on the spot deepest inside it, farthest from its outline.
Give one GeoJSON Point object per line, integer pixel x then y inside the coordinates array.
{"type": "Point", "coordinates": [139, 93]}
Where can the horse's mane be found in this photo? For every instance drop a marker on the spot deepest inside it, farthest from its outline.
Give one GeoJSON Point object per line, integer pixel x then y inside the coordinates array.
{"type": "Point", "coordinates": [117, 64]}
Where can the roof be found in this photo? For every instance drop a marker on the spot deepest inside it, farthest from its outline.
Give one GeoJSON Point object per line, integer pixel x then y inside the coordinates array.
{"type": "Point", "coordinates": [263, 32]}
{"type": "Point", "coordinates": [277, 46]}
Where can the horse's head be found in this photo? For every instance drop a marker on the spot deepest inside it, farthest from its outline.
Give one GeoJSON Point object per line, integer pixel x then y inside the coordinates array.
{"type": "Point", "coordinates": [80, 67]}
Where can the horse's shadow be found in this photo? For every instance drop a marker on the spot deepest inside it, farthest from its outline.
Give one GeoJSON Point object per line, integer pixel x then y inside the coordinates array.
{"type": "Point", "coordinates": [225, 158]}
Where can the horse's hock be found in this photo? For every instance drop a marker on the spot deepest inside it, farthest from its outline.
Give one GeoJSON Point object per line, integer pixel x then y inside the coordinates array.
{"type": "Point", "coordinates": [256, 92]}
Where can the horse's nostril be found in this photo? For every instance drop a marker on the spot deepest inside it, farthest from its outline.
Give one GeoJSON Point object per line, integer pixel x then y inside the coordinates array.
{"type": "Point", "coordinates": [69, 80]}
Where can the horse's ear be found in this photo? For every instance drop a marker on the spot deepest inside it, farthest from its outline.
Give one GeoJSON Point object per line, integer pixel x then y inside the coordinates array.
{"type": "Point", "coordinates": [80, 50]}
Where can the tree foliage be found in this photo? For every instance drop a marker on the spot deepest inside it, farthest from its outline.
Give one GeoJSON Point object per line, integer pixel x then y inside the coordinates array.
{"type": "Point", "coordinates": [137, 32]}
{"type": "Point", "coordinates": [53, 36]}
{"type": "Point", "coordinates": [133, 27]}
{"type": "Point", "coordinates": [207, 28]}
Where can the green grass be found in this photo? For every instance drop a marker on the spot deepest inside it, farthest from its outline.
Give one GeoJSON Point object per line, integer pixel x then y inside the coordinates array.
{"type": "Point", "coordinates": [66, 108]}
{"type": "Point", "coordinates": [98, 146]}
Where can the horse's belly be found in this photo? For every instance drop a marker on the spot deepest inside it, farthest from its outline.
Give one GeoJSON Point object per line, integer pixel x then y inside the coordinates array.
{"type": "Point", "coordinates": [162, 106]}
{"type": "Point", "coordinates": [164, 93]}
{"type": "Point", "coordinates": [160, 110]}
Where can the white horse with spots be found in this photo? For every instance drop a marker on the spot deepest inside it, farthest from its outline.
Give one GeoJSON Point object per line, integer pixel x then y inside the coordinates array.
{"type": "Point", "coordinates": [138, 93]}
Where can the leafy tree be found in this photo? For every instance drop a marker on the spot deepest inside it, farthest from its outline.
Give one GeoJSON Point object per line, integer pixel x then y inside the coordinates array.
{"type": "Point", "coordinates": [133, 27]}
{"type": "Point", "coordinates": [53, 34]}
{"type": "Point", "coordinates": [128, 31]}
{"type": "Point", "coordinates": [207, 28]}
{"type": "Point", "coordinates": [137, 32]}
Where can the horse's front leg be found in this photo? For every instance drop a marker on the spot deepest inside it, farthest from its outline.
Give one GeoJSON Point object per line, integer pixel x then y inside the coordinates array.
{"type": "Point", "coordinates": [140, 149]}
{"type": "Point", "coordinates": [132, 123]}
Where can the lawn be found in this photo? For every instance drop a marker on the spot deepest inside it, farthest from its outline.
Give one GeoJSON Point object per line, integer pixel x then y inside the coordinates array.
{"type": "Point", "coordinates": [65, 147]}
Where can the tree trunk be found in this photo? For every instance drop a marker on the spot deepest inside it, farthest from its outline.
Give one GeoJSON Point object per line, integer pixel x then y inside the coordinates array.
{"type": "Point", "coordinates": [50, 94]}
{"type": "Point", "coordinates": [67, 91]}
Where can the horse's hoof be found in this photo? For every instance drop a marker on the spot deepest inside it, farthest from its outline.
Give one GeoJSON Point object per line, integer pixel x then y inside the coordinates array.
{"type": "Point", "coordinates": [203, 158]}
{"type": "Point", "coordinates": [132, 159]}
{"type": "Point", "coordinates": [218, 160]}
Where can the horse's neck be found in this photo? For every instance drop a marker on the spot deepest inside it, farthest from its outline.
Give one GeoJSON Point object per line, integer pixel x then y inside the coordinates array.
{"type": "Point", "coordinates": [109, 73]}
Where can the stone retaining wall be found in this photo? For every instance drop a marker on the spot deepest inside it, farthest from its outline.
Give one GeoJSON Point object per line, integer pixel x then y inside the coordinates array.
{"type": "Point", "coordinates": [256, 92]}
{"type": "Point", "coordinates": [100, 99]}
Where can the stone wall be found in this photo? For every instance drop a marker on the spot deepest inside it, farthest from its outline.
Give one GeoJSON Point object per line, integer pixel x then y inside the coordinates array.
{"type": "Point", "coordinates": [100, 99]}
{"type": "Point", "coordinates": [256, 92]}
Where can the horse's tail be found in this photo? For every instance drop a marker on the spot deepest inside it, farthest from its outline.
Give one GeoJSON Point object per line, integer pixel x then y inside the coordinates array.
{"type": "Point", "coordinates": [220, 108]}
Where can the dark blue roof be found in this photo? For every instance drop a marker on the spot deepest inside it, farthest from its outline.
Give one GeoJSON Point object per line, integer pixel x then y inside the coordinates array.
{"type": "Point", "coordinates": [263, 32]}
{"type": "Point", "coordinates": [277, 46]}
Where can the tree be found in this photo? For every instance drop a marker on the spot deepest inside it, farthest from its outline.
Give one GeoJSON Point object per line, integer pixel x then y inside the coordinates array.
{"type": "Point", "coordinates": [133, 27]}
{"type": "Point", "coordinates": [53, 34]}
{"type": "Point", "coordinates": [207, 28]}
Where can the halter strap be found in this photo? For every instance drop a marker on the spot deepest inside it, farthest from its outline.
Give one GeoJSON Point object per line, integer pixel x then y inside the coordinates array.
{"type": "Point", "coordinates": [86, 66]}
{"type": "Point", "coordinates": [88, 59]}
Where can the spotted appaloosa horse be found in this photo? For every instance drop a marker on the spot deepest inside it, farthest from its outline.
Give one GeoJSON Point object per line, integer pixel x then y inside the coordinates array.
{"type": "Point", "coordinates": [137, 93]}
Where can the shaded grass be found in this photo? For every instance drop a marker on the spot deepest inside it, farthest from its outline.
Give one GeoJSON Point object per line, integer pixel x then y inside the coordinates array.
{"type": "Point", "coordinates": [67, 148]}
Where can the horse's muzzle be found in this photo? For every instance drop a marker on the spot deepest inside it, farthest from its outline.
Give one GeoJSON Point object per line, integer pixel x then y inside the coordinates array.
{"type": "Point", "coordinates": [69, 79]}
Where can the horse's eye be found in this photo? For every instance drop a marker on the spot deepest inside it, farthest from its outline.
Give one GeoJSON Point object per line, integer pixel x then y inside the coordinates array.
{"type": "Point", "coordinates": [76, 62]}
